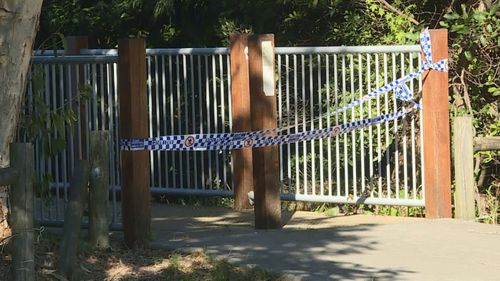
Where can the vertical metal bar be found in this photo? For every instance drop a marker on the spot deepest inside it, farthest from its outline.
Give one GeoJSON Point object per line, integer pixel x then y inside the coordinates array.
{"type": "Point", "coordinates": [44, 163]}
{"type": "Point", "coordinates": [193, 120]}
{"type": "Point", "coordinates": [337, 143]}
{"type": "Point", "coordinates": [413, 164]}
{"type": "Point", "coordinates": [405, 156]}
{"type": "Point", "coordinates": [203, 154]}
{"type": "Point", "coordinates": [379, 138]}
{"type": "Point", "coordinates": [288, 151]}
{"type": "Point", "coordinates": [179, 119]}
{"type": "Point", "coordinates": [328, 124]}
{"type": "Point", "coordinates": [297, 153]}
{"type": "Point", "coordinates": [64, 153]}
{"type": "Point", "coordinates": [172, 118]}
{"type": "Point", "coordinates": [311, 100]}
{"type": "Point", "coordinates": [280, 121]}
{"type": "Point", "coordinates": [112, 179]}
{"type": "Point", "coordinates": [304, 123]}
{"type": "Point", "coordinates": [150, 120]}
{"type": "Point", "coordinates": [215, 111]}
{"type": "Point", "coordinates": [101, 89]}
{"type": "Point", "coordinates": [320, 105]}
{"type": "Point", "coordinates": [159, 170]}
{"type": "Point", "coordinates": [228, 67]}
{"type": "Point", "coordinates": [353, 133]}
{"type": "Point", "coordinates": [362, 131]}
{"type": "Point", "coordinates": [223, 121]}
{"type": "Point", "coordinates": [421, 129]}
{"type": "Point", "coordinates": [344, 119]}
{"type": "Point", "coordinates": [165, 121]}
{"type": "Point", "coordinates": [55, 166]}
{"type": "Point", "coordinates": [72, 101]}
{"type": "Point", "coordinates": [396, 141]}
{"type": "Point", "coordinates": [116, 140]}
{"type": "Point", "coordinates": [186, 119]}
{"type": "Point", "coordinates": [207, 103]}
{"type": "Point", "coordinates": [95, 115]}
{"type": "Point", "coordinates": [370, 128]}
{"type": "Point", "coordinates": [387, 129]}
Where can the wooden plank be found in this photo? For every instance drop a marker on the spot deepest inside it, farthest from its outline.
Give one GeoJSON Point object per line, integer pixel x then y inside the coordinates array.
{"type": "Point", "coordinates": [21, 215]}
{"type": "Point", "coordinates": [241, 117]}
{"type": "Point", "coordinates": [75, 44]}
{"type": "Point", "coordinates": [437, 172]}
{"type": "Point", "coordinates": [8, 176]}
{"type": "Point", "coordinates": [72, 218]}
{"type": "Point", "coordinates": [463, 156]}
{"type": "Point", "coordinates": [136, 213]}
{"type": "Point", "coordinates": [99, 189]}
{"type": "Point", "coordinates": [486, 144]}
{"type": "Point", "coordinates": [266, 159]}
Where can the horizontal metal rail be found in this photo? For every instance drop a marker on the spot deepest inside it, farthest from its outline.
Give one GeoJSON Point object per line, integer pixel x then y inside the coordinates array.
{"type": "Point", "coordinates": [347, 49]}
{"type": "Point", "coordinates": [354, 200]}
{"type": "Point", "coordinates": [80, 59]}
{"type": "Point", "coordinates": [48, 52]}
{"type": "Point", "coordinates": [277, 50]}
{"type": "Point", "coordinates": [165, 51]}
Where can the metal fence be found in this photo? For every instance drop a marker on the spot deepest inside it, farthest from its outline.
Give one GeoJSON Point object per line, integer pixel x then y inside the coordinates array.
{"type": "Point", "coordinates": [56, 83]}
{"type": "Point", "coordinates": [189, 91]}
{"type": "Point", "coordinates": [376, 165]}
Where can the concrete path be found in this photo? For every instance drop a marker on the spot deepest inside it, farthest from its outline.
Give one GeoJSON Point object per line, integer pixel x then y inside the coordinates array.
{"type": "Point", "coordinates": [312, 246]}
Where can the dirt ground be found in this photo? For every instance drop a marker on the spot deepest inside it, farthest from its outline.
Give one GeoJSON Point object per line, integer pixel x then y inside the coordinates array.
{"type": "Point", "coordinates": [121, 263]}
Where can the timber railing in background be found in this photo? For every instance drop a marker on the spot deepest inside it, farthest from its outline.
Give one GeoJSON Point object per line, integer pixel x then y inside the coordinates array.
{"type": "Point", "coordinates": [464, 147]}
{"type": "Point", "coordinates": [20, 178]}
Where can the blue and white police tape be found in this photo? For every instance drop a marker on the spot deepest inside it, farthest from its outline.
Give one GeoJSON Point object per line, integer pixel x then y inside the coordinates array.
{"type": "Point", "coordinates": [401, 90]}
{"type": "Point", "coordinates": [232, 141]}
{"type": "Point", "coordinates": [268, 137]}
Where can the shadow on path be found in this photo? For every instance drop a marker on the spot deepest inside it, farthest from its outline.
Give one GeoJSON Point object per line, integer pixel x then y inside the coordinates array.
{"type": "Point", "coordinates": [302, 248]}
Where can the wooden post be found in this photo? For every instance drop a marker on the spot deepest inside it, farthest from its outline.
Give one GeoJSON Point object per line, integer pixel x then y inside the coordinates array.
{"type": "Point", "coordinates": [21, 216]}
{"type": "Point", "coordinates": [486, 144]}
{"type": "Point", "coordinates": [463, 156]}
{"type": "Point", "coordinates": [263, 108]}
{"type": "Point", "coordinates": [75, 44]}
{"type": "Point", "coordinates": [136, 211]}
{"type": "Point", "coordinates": [72, 218]}
{"type": "Point", "coordinates": [99, 189]}
{"type": "Point", "coordinates": [240, 96]}
{"type": "Point", "coordinates": [437, 172]}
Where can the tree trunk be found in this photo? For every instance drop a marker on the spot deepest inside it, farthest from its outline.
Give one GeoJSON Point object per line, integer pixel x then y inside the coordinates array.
{"type": "Point", "coordinates": [18, 25]}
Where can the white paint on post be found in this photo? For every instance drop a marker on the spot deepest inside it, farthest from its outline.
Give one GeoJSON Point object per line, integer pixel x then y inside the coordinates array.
{"type": "Point", "coordinates": [268, 68]}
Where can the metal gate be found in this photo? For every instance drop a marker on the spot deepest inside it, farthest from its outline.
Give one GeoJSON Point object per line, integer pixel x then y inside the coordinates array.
{"type": "Point", "coordinates": [189, 91]}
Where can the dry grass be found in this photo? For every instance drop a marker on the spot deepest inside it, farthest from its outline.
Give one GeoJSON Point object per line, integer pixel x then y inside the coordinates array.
{"type": "Point", "coordinates": [121, 263]}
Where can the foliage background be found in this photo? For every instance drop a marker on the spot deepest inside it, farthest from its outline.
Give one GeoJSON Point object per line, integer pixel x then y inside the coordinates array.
{"type": "Point", "coordinates": [473, 39]}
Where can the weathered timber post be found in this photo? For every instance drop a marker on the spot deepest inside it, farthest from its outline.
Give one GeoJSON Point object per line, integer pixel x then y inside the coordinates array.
{"type": "Point", "coordinates": [437, 166]}
{"type": "Point", "coordinates": [99, 189]}
{"type": "Point", "coordinates": [75, 44]}
{"type": "Point", "coordinates": [72, 218]}
{"type": "Point", "coordinates": [463, 157]}
{"type": "Point", "coordinates": [21, 216]}
{"type": "Point", "coordinates": [263, 108]}
{"type": "Point", "coordinates": [136, 213]}
{"type": "Point", "coordinates": [241, 114]}
{"type": "Point", "coordinates": [486, 143]}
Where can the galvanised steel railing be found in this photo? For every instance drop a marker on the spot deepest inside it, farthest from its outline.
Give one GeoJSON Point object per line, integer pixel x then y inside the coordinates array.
{"type": "Point", "coordinates": [375, 165]}
{"type": "Point", "coordinates": [189, 91]}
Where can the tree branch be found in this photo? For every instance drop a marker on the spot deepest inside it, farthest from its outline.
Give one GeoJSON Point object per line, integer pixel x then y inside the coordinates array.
{"type": "Point", "coordinates": [393, 9]}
